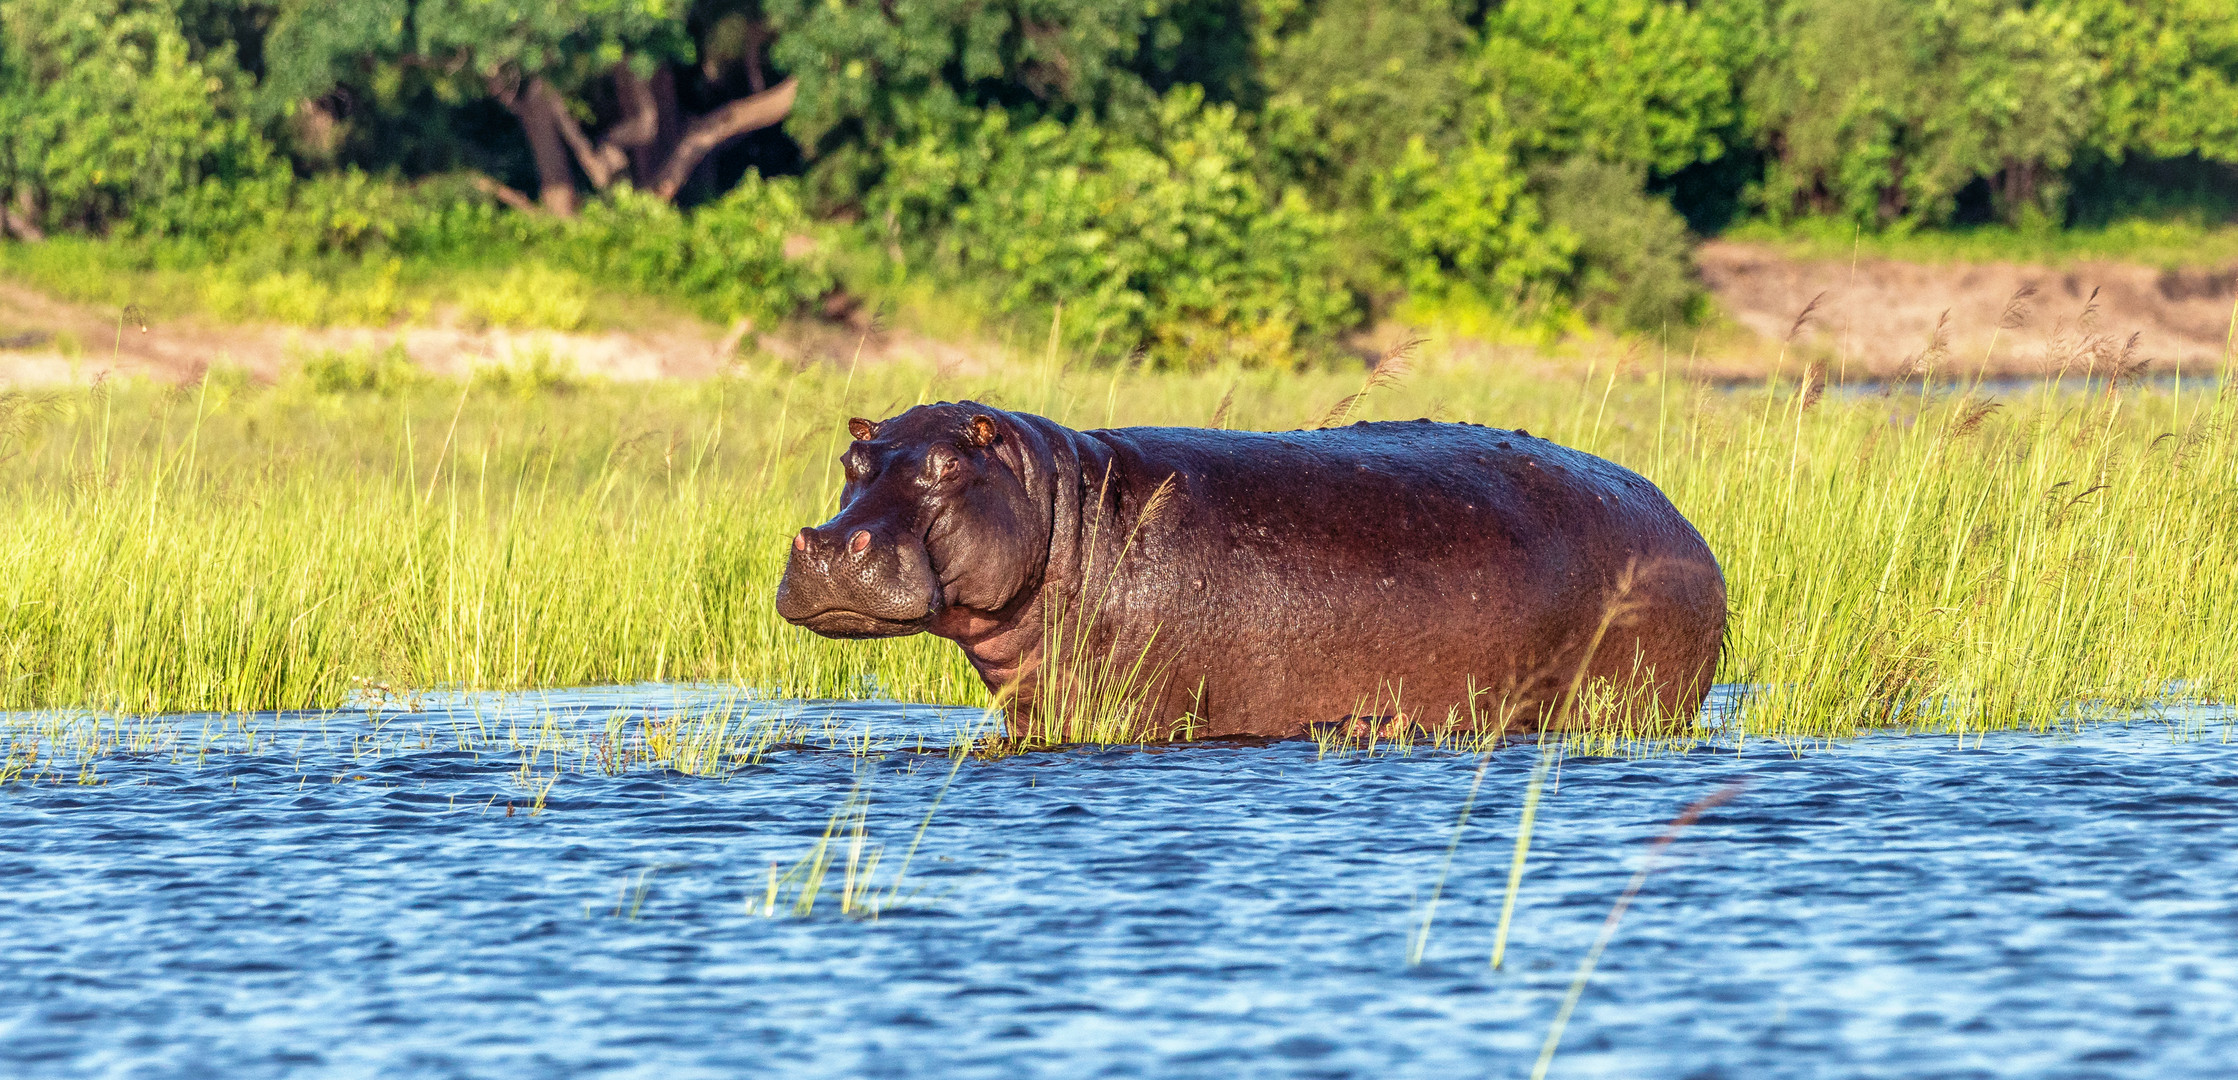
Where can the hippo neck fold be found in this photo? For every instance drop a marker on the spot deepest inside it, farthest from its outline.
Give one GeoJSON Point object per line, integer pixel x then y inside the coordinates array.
{"type": "Point", "coordinates": [1074, 484]}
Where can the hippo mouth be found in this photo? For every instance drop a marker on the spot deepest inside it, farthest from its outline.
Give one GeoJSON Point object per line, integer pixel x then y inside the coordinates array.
{"type": "Point", "coordinates": [847, 623]}
{"type": "Point", "coordinates": [865, 589]}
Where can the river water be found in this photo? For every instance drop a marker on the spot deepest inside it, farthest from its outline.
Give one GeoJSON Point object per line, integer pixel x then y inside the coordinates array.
{"type": "Point", "coordinates": [351, 897]}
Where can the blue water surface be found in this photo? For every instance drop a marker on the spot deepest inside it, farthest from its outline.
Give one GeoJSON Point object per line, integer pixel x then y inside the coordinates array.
{"type": "Point", "coordinates": [380, 892]}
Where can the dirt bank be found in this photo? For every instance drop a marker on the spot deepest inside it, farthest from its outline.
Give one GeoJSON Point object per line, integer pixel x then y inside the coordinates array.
{"type": "Point", "coordinates": [1873, 318]}
{"type": "Point", "coordinates": [44, 341]}
{"type": "Point", "coordinates": [1878, 317]}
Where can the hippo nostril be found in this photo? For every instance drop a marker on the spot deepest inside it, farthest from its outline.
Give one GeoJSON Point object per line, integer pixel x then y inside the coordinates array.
{"type": "Point", "coordinates": [858, 542]}
{"type": "Point", "coordinates": [800, 540]}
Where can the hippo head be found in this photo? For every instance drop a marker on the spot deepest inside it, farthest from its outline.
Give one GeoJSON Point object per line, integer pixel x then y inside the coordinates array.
{"type": "Point", "coordinates": [934, 522]}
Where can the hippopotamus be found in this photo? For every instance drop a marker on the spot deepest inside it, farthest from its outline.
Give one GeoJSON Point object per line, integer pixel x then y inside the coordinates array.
{"type": "Point", "coordinates": [1216, 583]}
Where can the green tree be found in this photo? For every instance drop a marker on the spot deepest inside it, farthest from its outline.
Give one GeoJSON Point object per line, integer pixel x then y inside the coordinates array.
{"type": "Point", "coordinates": [1882, 110]}
{"type": "Point", "coordinates": [1652, 83]}
{"type": "Point", "coordinates": [873, 73]}
{"type": "Point", "coordinates": [543, 61]}
{"type": "Point", "coordinates": [1168, 243]}
{"type": "Point", "coordinates": [2166, 78]}
{"type": "Point", "coordinates": [103, 109]}
{"type": "Point", "coordinates": [1632, 265]}
{"type": "Point", "coordinates": [1350, 82]}
{"type": "Point", "coordinates": [1466, 221]}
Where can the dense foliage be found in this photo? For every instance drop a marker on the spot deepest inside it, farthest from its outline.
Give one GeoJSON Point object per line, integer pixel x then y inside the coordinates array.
{"type": "Point", "coordinates": [1165, 240]}
{"type": "Point", "coordinates": [1194, 179]}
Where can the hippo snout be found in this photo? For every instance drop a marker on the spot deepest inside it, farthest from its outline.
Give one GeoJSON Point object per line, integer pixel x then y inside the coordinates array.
{"type": "Point", "coordinates": [855, 581]}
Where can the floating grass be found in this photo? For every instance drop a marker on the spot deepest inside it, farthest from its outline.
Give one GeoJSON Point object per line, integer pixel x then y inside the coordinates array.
{"type": "Point", "coordinates": [1615, 918]}
{"type": "Point", "coordinates": [1522, 853]}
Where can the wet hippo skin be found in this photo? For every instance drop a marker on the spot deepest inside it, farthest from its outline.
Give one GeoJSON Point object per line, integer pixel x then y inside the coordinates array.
{"type": "Point", "coordinates": [1267, 583]}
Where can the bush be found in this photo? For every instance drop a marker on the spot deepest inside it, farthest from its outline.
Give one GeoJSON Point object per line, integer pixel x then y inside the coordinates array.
{"type": "Point", "coordinates": [1467, 221]}
{"type": "Point", "coordinates": [532, 296]}
{"type": "Point", "coordinates": [103, 110]}
{"type": "Point", "coordinates": [1633, 265]}
{"type": "Point", "coordinates": [300, 298]}
{"type": "Point", "coordinates": [332, 250]}
{"type": "Point", "coordinates": [1165, 243]}
{"type": "Point", "coordinates": [529, 374]}
{"type": "Point", "coordinates": [363, 370]}
{"type": "Point", "coordinates": [729, 258]}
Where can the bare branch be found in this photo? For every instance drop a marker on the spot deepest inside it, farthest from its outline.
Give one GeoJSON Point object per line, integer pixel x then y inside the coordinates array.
{"type": "Point", "coordinates": [505, 195]}
{"type": "Point", "coordinates": [602, 163]}
{"type": "Point", "coordinates": [540, 112]}
{"type": "Point", "coordinates": [704, 135]}
{"type": "Point", "coordinates": [641, 118]}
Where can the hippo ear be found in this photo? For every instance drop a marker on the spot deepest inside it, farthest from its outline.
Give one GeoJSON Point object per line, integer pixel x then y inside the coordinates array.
{"type": "Point", "coordinates": [862, 429]}
{"type": "Point", "coordinates": [980, 430]}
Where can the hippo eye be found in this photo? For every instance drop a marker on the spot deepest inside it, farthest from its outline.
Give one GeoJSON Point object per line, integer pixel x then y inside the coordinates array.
{"type": "Point", "coordinates": [939, 464]}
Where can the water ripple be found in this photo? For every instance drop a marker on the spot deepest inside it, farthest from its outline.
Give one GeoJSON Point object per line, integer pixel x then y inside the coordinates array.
{"type": "Point", "coordinates": [368, 892]}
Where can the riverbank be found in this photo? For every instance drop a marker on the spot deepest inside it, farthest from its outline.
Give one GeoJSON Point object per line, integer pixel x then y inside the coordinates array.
{"type": "Point", "coordinates": [1875, 317]}
{"type": "Point", "coordinates": [1780, 306]}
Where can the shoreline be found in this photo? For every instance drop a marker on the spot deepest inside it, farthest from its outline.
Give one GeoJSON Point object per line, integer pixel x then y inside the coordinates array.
{"type": "Point", "coordinates": [1856, 321]}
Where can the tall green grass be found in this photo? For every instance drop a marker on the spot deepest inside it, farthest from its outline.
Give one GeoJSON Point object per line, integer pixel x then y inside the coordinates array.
{"type": "Point", "coordinates": [1944, 558]}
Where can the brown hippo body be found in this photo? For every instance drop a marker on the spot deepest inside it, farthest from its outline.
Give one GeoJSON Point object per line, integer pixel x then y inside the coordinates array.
{"type": "Point", "coordinates": [1264, 583]}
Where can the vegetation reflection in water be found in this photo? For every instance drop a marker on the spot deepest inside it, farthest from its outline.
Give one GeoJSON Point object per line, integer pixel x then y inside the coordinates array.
{"type": "Point", "coordinates": [1924, 555]}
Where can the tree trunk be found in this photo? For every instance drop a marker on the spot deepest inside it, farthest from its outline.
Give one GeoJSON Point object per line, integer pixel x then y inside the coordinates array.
{"type": "Point", "coordinates": [639, 125]}
{"type": "Point", "coordinates": [645, 161]}
{"type": "Point", "coordinates": [1893, 201]}
{"type": "Point", "coordinates": [711, 131]}
{"type": "Point", "coordinates": [2013, 189]}
{"type": "Point", "coordinates": [505, 195]}
{"type": "Point", "coordinates": [647, 137]}
{"type": "Point", "coordinates": [641, 113]}
{"type": "Point", "coordinates": [538, 107]}
{"type": "Point", "coordinates": [22, 222]}
{"type": "Point", "coordinates": [757, 36]}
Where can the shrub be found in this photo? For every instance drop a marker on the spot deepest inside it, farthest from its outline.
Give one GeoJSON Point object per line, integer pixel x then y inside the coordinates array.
{"type": "Point", "coordinates": [1166, 243]}
{"type": "Point", "coordinates": [530, 373]}
{"type": "Point", "coordinates": [332, 250]}
{"type": "Point", "coordinates": [532, 296]}
{"type": "Point", "coordinates": [1633, 266]}
{"type": "Point", "coordinates": [363, 370]}
{"type": "Point", "coordinates": [298, 297]}
{"type": "Point", "coordinates": [104, 110]}
{"type": "Point", "coordinates": [729, 258]}
{"type": "Point", "coordinates": [1468, 220]}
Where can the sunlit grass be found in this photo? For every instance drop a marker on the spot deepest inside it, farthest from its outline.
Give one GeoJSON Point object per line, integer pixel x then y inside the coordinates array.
{"type": "Point", "coordinates": [1916, 559]}
{"type": "Point", "coordinates": [700, 732]}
